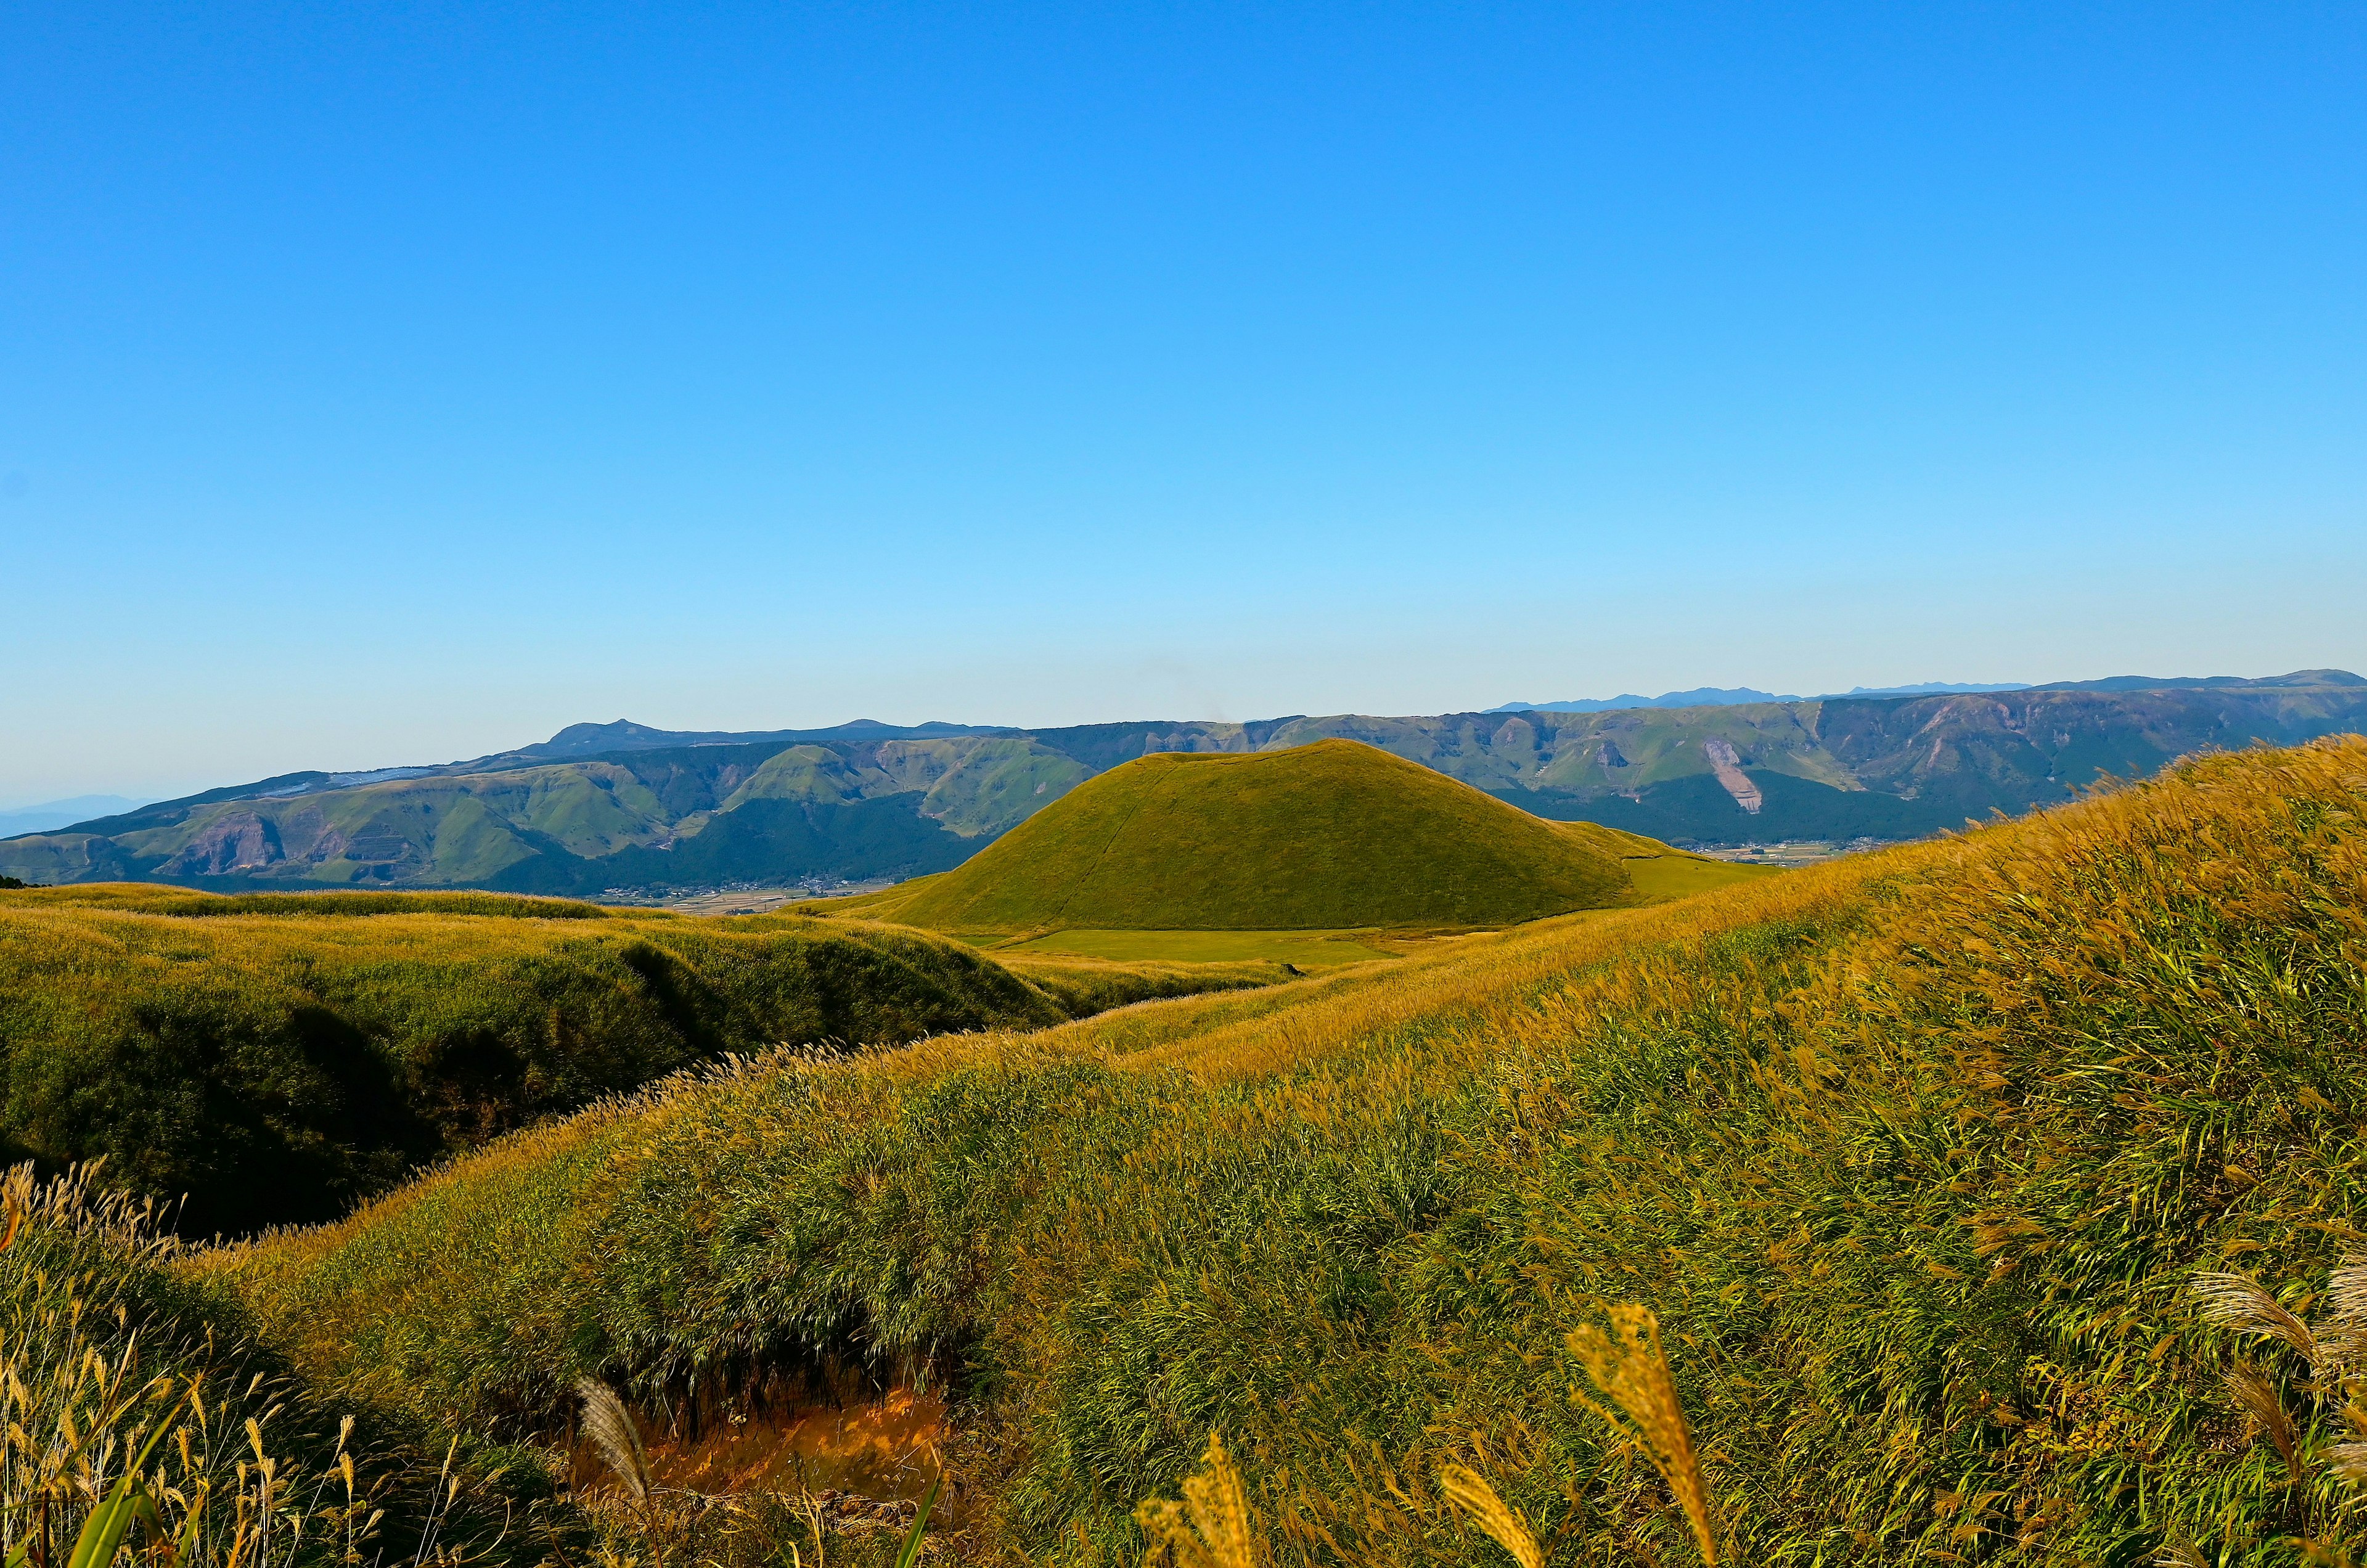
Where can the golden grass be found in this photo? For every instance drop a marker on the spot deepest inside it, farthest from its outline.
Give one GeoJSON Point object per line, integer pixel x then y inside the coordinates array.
{"type": "Point", "coordinates": [1469, 1491]}
{"type": "Point", "coordinates": [1210, 1527]}
{"type": "Point", "coordinates": [127, 1424]}
{"type": "Point", "coordinates": [1629, 1369]}
{"type": "Point", "coordinates": [273, 1057]}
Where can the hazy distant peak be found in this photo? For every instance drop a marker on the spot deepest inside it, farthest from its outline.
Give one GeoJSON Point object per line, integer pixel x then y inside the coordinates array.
{"type": "Point", "coordinates": [1929, 689]}
{"type": "Point", "coordinates": [624, 735]}
{"type": "Point", "coordinates": [46, 816]}
{"type": "Point", "coordinates": [2298, 678]}
{"type": "Point", "coordinates": [1699, 697]}
{"type": "Point", "coordinates": [588, 738]}
{"type": "Point", "coordinates": [1723, 696]}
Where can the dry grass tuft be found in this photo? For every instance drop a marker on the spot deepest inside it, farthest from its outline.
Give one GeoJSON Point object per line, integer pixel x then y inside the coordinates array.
{"type": "Point", "coordinates": [1469, 1491]}
{"type": "Point", "coordinates": [1631, 1370]}
{"type": "Point", "coordinates": [1210, 1527]}
{"type": "Point", "coordinates": [2237, 1301]}
{"type": "Point", "coordinates": [2258, 1397]}
{"type": "Point", "coordinates": [2342, 1334]}
{"type": "Point", "coordinates": [610, 1427]}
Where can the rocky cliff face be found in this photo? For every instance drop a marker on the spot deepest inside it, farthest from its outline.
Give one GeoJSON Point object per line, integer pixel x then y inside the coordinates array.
{"type": "Point", "coordinates": [233, 841]}
{"type": "Point", "coordinates": [1726, 764]}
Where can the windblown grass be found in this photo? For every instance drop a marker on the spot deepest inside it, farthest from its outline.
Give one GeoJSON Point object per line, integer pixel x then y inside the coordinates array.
{"type": "Point", "coordinates": [131, 1418]}
{"type": "Point", "coordinates": [1914, 1157]}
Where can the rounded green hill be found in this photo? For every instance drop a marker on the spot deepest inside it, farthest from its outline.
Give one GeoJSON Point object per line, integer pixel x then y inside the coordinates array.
{"type": "Point", "coordinates": [1335, 834]}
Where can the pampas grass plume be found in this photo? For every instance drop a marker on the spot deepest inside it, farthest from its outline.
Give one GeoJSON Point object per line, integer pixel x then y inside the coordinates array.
{"type": "Point", "coordinates": [612, 1433]}
{"type": "Point", "coordinates": [1470, 1492]}
{"type": "Point", "coordinates": [1629, 1368]}
{"type": "Point", "coordinates": [1210, 1528]}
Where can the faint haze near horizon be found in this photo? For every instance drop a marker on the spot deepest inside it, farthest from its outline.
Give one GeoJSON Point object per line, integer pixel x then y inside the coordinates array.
{"type": "Point", "coordinates": [385, 386]}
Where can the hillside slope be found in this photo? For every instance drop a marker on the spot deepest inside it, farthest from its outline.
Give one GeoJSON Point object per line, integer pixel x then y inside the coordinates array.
{"type": "Point", "coordinates": [1914, 1154]}
{"type": "Point", "coordinates": [687, 816]}
{"type": "Point", "coordinates": [274, 1057]}
{"type": "Point", "coordinates": [1327, 835]}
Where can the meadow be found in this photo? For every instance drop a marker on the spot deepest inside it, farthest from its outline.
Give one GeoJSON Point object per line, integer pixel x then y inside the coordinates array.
{"type": "Point", "coordinates": [276, 1057]}
{"type": "Point", "coordinates": [1918, 1157]}
{"type": "Point", "coordinates": [1316, 949]}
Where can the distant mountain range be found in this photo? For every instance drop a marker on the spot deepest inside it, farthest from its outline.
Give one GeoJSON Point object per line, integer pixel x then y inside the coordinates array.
{"type": "Point", "coordinates": [625, 806]}
{"type": "Point", "coordinates": [1733, 696]}
{"type": "Point", "coordinates": [48, 813]}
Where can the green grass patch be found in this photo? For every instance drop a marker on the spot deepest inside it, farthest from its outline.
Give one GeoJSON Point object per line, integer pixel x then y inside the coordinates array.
{"type": "Point", "coordinates": [1678, 876]}
{"type": "Point", "coordinates": [1325, 837]}
{"type": "Point", "coordinates": [1307, 950]}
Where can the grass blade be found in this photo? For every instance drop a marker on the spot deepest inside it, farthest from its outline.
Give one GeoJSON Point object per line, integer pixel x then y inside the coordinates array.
{"type": "Point", "coordinates": [912, 1552]}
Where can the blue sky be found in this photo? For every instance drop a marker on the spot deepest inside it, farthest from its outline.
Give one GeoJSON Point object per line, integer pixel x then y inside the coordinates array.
{"type": "Point", "coordinates": [395, 383]}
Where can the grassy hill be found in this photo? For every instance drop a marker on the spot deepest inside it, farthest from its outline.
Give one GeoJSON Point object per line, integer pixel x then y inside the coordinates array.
{"type": "Point", "coordinates": [277, 1057]}
{"type": "Point", "coordinates": [1328, 835]}
{"type": "Point", "coordinates": [1914, 1154]}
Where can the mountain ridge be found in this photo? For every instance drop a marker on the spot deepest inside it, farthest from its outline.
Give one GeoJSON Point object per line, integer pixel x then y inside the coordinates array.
{"type": "Point", "coordinates": [792, 805]}
{"type": "Point", "coordinates": [1706, 696]}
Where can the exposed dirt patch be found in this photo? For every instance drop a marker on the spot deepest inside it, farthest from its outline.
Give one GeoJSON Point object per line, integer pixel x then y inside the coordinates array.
{"type": "Point", "coordinates": [1727, 764]}
{"type": "Point", "coordinates": [856, 1456]}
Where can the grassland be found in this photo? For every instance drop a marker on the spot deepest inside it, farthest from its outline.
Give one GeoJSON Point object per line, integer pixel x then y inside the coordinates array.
{"type": "Point", "coordinates": [273, 1057]}
{"type": "Point", "coordinates": [1915, 1155]}
{"type": "Point", "coordinates": [1302, 949]}
{"type": "Point", "coordinates": [104, 1354]}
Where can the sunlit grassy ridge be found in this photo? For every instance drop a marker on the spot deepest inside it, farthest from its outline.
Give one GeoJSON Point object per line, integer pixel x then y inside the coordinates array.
{"type": "Point", "coordinates": [1912, 1154]}
{"type": "Point", "coordinates": [276, 1057]}
{"type": "Point", "coordinates": [1330, 835]}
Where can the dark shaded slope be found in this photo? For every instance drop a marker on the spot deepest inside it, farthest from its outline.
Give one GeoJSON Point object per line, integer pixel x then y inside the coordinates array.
{"type": "Point", "coordinates": [275, 1059]}
{"type": "Point", "coordinates": [764, 841]}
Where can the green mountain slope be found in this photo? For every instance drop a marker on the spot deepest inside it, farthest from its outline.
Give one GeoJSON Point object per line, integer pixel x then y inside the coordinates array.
{"type": "Point", "coordinates": [1915, 1155]}
{"type": "Point", "coordinates": [652, 816]}
{"type": "Point", "coordinates": [1330, 834]}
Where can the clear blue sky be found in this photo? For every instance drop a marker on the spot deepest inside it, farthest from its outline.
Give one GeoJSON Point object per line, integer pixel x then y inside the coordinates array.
{"type": "Point", "coordinates": [393, 383]}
